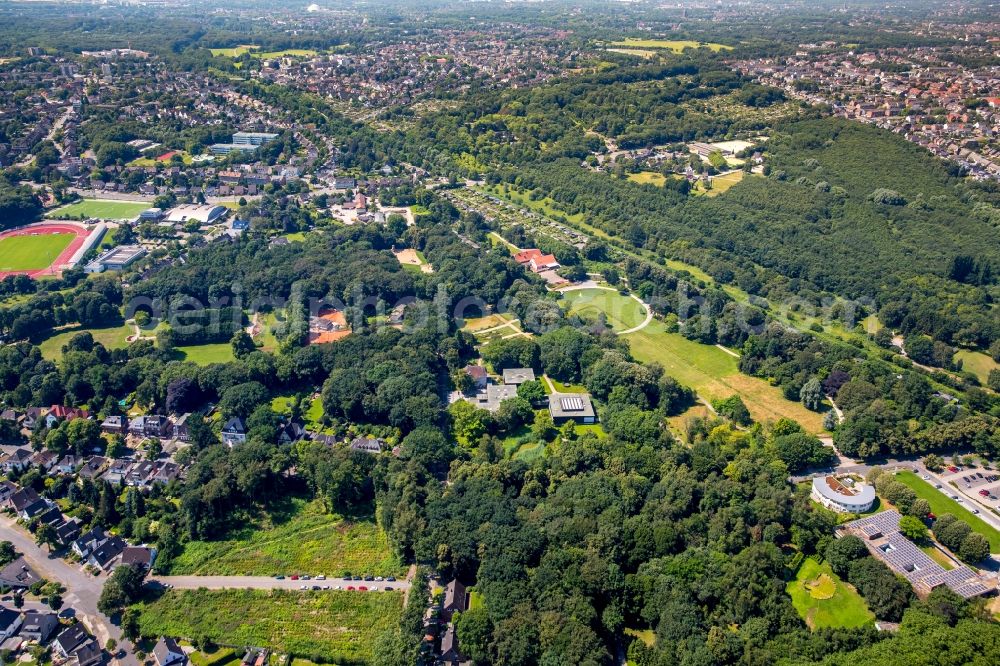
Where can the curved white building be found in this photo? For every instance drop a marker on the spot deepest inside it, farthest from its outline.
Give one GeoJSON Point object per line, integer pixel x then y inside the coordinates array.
{"type": "Point", "coordinates": [842, 497]}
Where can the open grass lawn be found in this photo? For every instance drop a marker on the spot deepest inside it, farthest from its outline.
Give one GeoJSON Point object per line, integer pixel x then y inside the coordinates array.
{"type": "Point", "coordinates": [648, 178]}
{"type": "Point", "coordinates": [675, 45]}
{"type": "Point", "coordinates": [941, 503]}
{"type": "Point", "coordinates": [714, 374]}
{"type": "Point", "coordinates": [293, 53]}
{"type": "Point", "coordinates": [720, 184]}
{"type": "Point", "coordinates": [107, 210]}
{"type": "Point", "coordinates": [111, 338]}
{"type": "Point", "coordinates": [623, 312]}
{"type": "Point", "coordinates": [299, 539]}
{"type": "Point", "coordinates": [233, 52]}
{"type": "Point", "coordinates": [216, 657]}
{"type": "Point", "coordinates": [220, 352]}
{"type": "Point", "coordinates": [329, 626]}
{"type": "Point", "coordinates": [29, 253]}
{"type": "Point", "coordinates": [823, 600]}
{"type": "Point", "coordinates": [977, 363]}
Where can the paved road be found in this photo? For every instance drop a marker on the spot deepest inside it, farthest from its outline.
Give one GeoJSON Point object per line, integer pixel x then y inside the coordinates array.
{"type": "Point", "coordinates": [268, 583]}
{"type": "Point", "coordinates": [82, 589]}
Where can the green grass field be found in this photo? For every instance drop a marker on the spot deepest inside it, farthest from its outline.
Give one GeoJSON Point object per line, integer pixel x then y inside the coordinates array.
{"type": "Point", "coordinates": [720, 184]}
{"type": "Point", "coordinates": [106, 210]}
{"type": "Point", "coordinates": [623, 312]}
{"type": "Point", "coordinates": [293, 53]}
{"type": "Point", "coordinates": [823, 600]}
{"type": "Point", "coordinates": [233, 52]}
{"type": "Point", "coordinates": [648, 178]}
{"type": "Point", "coordinates": [714, 374]}
{"type": "Point", "coordinates": [977, 363]}
{"type": "Point", "coordinates": [31, 253]}
{"type": "Point", "coordinates": [111, 338]}
{"type": "Point", "coordinates": [220, 352]}
{"type": "Point", "coordinates": [941, 503]}
{"type": "Point", "coordinates": [328, 626]}
{"type": "Point", "coordinates": [303, 539]}
{"type": "Point", "coordinates": [675, 45]}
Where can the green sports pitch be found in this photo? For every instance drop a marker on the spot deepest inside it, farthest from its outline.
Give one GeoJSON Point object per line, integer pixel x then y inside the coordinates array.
{"type": "Point", "coordinates": [31, 253]}
{"type": "Point", "coordinates": [105, 210]}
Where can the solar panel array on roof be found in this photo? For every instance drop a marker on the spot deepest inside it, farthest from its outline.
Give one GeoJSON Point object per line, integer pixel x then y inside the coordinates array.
{"type": "Point", "coordinates": [571, 404]}
{"type": "Point", "coordinates": [905, 558]}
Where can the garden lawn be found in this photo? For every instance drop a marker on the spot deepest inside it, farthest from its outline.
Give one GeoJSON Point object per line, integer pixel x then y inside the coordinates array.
{"type": "Point", "coordinates": [221, 352]}
{"type": "Point", "coordinates": [329, 626]}
{"type": "Point", "coordinates": [941, 504]}
{"type": "Point", "coordinates": [107, 210]}
{"type": "Point", "coordinates": [648, 178]}
{"type": "Point", "coordinates": [623, 312]}
{"type": "Point", "coordinates": [823, 600]}
{"type": "Point", "coordinates": [714, 374]}
{"type": "Point", "coordinates": [977, 363]}
{"type": "Point", "coordinates": [302, 539]}
{"type": "Point", "coordinates": [30, 253]}
{"type": "Point", "coordinates": [111, 338]}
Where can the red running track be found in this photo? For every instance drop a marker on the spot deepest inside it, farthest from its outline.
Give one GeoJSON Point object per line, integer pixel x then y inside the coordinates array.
{"type": "Point", "coordinates": [47, 228]}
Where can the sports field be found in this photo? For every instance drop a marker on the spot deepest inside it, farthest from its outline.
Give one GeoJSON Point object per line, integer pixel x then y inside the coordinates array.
{"type": "Point", "coordinates": [823, 600]}
{"type": "Point", "coordinates": [714, 374]}
{"type": "Point", "coordinates": [675, 45]}
{"type": "Point", "coordinates": [105, 210]}
{"type": "Point", "coordinates": [30, 252]}
{"type": "Point", "coordinates": [622, 312]}
{"type": "Point", "coordinates": [941, 504]}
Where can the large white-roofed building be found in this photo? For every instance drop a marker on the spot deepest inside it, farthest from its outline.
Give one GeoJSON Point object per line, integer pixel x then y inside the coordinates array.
{"type": "Point", "coordinates": [843, 496]}
{"type": "Point", "coordinates": [203, 213]}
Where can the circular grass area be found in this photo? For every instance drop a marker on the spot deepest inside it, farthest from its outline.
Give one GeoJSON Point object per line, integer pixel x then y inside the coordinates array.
{"type": "Point", "coordinates": [822, 587]}
{"type": "Point", "coordinates": [622, 312]}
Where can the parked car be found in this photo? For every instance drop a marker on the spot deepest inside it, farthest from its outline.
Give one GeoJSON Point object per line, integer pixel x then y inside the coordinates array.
{"type": "Point", "coordinates": [362, 588]}
{"type": "Point", "coordinates": [391, 579]}
{"type": "Point", "coordinates": [279, 577]}
{"type": "Point", "coordinates": [389, 588]}
{"type": "Point", "coordinates": [295, 576]}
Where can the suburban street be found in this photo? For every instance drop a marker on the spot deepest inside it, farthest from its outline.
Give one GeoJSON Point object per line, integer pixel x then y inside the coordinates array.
{"type": "Point", "coordinates": [268, 583]}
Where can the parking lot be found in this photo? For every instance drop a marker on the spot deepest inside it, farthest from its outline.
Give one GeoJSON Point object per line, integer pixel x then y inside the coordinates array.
{"type": "Point", "coordinates": [972, 486]}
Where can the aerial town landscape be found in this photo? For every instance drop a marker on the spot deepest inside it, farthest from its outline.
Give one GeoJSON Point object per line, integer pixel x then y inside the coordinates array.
{"type": "Point", "coordinates": [424, 332]}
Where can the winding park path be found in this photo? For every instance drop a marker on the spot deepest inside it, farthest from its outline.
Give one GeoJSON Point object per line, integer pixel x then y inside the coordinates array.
{"type": "Point", "coordinates": [590, 284]}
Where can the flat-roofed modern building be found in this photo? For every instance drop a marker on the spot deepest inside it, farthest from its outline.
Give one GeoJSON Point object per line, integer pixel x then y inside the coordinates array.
{"type": "Point", "coordinates": [226, 148]}
{"type": "Point", "coordinates": [571, 407]}
{"type": "Point", "coordinates": [253, 138]}
{"type": "Point", "coordinates": [843, 496]}
{"type": "Point", "coordinates": [116, 259]}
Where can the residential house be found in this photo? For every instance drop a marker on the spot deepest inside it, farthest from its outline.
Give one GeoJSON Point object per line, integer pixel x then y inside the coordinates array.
{"type": "Point", "coordinates": [165, 472]}
{"type": "Point", "coordinates": [16, 461]}
{"type": "Point", "coordinates": [22, 498]}
{"type": "Point", "coordinates": [38, 626]}
{"type": "Point", "coordinates": [478, 375]}
{"type": "Point", "coordinates": [74, 641]}
{"type": "Point", "coordinates": [234, 432]}
{"type": "Point", "coordinates": [45, 460]}
{"type": "Point", "coordinates": [32, 416]}
{"type": "Point", "coordinates": [140, 556]}
{"type": "Point", "coordinates": [456, 599]}
{"type": "Point", "coordinates": [60, 413]}
{"type": "Point", "coordinates": [367, 445]}
{"type": "Point", "coordinates": [106, 553]}
{"type": "Point", "coordinates": [291, 432]}
{"type": "Point", "coordinates": [18, 574]}
{"type": "Point", "coordinates": [117, 471]}
{"type": "Point", "coordinates": [168, 653]}
{"type": "Point", "coordinates": [152, 425]}
{"type": "Point", "coordinates": [114, 425]}
{"type": "Point", "coordinates": [93, 467]}
{"type": "Point", "coordinates": [450, 653]}
{"type": "Point", "coordinates": [68, 464]}
{"type": "Point", "coordinates": [86, 543]}
{"type": "Point", "coordinates": [68, 531]}
{"type": "Point", "coordinates": [181, 427]}
{"type": "Point", "coordinates": [7, 489]}
{"type": "Point", "coordinates": [544, 262]}
{"type": "Point", "coordinates": [10, 622]}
